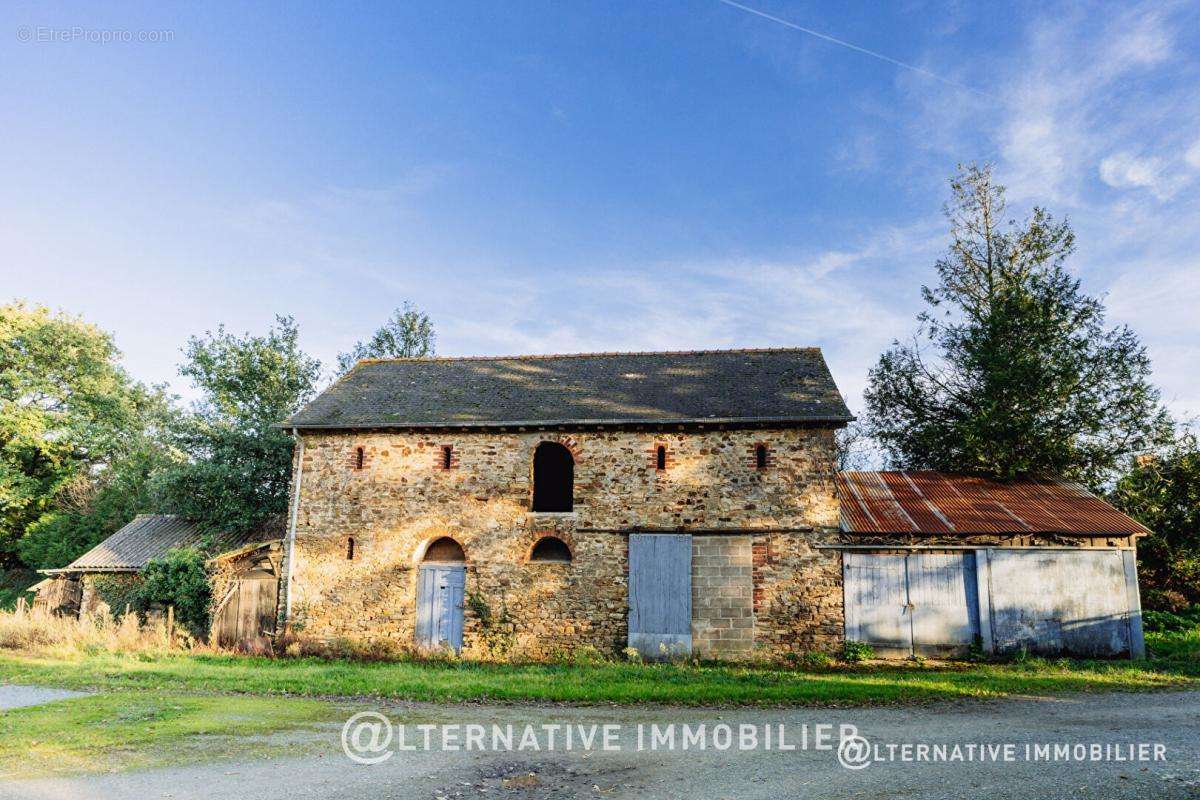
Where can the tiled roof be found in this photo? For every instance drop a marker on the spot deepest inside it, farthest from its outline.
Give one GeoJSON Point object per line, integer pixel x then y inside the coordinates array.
{"type": "Point", "coordinates": [941, 503]}
{"type": "Point", "coordinates": [735, 386]}
{"type": "Point", "coordinates": [147, 536]}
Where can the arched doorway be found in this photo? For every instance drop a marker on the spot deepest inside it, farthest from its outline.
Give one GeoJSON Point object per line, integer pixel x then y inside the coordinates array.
{"type": "Point", "coordinates": [441, 581]}
{"type": "Point", "coordinates": [553, 478]}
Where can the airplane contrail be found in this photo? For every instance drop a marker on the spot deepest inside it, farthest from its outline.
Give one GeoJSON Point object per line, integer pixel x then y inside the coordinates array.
{"type": "Point", "coordinates": [853, 47]}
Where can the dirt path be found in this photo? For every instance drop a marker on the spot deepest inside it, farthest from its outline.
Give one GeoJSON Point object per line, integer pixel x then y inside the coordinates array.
{"type": "Point", "coordinates": [13, 696]}
{"type": "Point", "coordinates": [1169, 720]}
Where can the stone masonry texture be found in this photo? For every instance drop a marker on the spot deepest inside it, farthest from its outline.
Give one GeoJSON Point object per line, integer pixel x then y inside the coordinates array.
{"type": "Point", "coordinates": [754, 546]}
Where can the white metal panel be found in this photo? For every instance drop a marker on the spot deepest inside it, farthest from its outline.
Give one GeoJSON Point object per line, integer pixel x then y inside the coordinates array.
{"type": "Point", "coordinates": [660, 594]}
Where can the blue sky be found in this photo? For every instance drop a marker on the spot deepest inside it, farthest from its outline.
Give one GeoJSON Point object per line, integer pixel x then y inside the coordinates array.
{"type": "Point", "coordinates": [570, 176]}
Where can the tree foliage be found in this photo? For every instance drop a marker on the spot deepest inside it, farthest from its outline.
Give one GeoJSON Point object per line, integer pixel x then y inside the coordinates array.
{"type": "Point", "coordinates": [94, 506]}
{"type": "Point", "coordinates": [1013, 370]}
{"type": "Point", "coordinates": [68, 411]}
{"type": "Point", "coordinates": [178, 579]}
{"type": "Point", "coordinates": [1163, 493]}
{"type": "Point", "coordinates": [238, 462]}
{"type": "Point", "coordinates": [407, 334]}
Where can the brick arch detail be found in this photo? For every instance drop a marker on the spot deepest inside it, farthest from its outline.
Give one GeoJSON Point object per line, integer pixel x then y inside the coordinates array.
{"type": "Point", "coordinates": [423, 548]}
{"type": "Point", "coordinates": [533, 537]}
{"type": "Point", "coordinates": [573, 446]}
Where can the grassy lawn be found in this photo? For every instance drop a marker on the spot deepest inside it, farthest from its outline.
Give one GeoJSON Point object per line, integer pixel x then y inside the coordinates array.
{"type": "Point", "coordinates": [606, 682]}
{"type": "Point", "coordinates": [163, 708]}
{"type": "Point", "coordinates": [126, 730]}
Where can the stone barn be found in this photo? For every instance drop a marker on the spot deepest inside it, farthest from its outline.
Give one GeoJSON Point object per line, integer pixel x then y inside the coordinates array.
{"type": "Point", "coordinates": [536, 505]}
{"type": "Point", "coordinates": [116, 561]}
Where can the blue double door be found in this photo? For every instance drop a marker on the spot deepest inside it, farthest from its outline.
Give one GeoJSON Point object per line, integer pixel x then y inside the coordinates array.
{"type": "Point", "coordinates": [440, 606]}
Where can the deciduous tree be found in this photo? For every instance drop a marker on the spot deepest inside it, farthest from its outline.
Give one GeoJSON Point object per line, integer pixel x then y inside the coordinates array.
{"type": "Point", "coordinates": [68, 411]}
{"type": "Point", "coordinates": [407, 334]}
{"type": "Point", "coordinates": [238, 462]}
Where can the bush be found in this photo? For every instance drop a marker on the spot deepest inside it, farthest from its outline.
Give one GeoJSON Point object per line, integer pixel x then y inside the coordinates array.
{"type": "Point", "coordinates": [342, 649]}
{"type": "Point", "coordinates": [119, 591]}
{"type": "Point", "coordinates": [1187, 619]}
{"type": "Point", "coordinates": [810, 659]}
{"type": "Point", "coordinates": [498, 633]}
{"type": "Point", "coordinates": [14, 583]}
{"type": "Point", "coordinates": [854, 652]}
{"type": "Point", "coordinates": [178, 579]}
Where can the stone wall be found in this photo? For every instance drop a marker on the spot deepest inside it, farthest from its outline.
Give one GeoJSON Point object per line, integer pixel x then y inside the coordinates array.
{"type": "Point", "coordinates": [798, 604]}
{"type": "Point", "coordinates": [403, 498]}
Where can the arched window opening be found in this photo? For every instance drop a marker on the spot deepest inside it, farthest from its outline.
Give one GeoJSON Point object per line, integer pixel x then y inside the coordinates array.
{"type": "Point", "coordinates": [660, 457]}
{"type": "Point", "coordinates": [760, 456]}
{"type": "Point", "coordinates": [445, 549]}
{"type": "Point", "coordinates": [360, 457]}
{"type": "Point", "coordinates": [553, 478]}
{"type": "Point", "coordinates": [447, 456]}
{"type": "Point", "coordinates": [349, 548]}
{"type": "Point", "coordinates": [551, 548]}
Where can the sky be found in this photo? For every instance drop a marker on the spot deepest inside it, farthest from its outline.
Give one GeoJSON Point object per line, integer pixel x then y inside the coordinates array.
{"type": "Point", "coordinates": [549, 177]}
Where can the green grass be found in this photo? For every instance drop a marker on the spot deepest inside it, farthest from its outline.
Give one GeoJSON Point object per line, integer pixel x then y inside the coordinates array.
{"type": "Point", "coordinates": [126, 730]}
{"type": "Point", "coordinates": [159, 709]}
{"type": "Point", "coordinates": [1181, 647]}
{"type": "Point", "coordinates": [594, 682]}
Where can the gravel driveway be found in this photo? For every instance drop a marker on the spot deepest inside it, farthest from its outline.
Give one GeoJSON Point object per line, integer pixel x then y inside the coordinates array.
{"type": "Point", "coordinates": [1169, 720]}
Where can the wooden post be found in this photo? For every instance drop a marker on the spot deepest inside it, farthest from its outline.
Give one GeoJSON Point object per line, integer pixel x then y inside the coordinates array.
{"type": "Point", "coordinates": [21, 606]}
{"type": "Point", "coordinates": [170, 625]}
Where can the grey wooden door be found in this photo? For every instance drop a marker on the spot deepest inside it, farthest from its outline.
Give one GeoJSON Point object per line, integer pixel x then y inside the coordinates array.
{"type": "Point", "coordinates": [923, 603]}
{"type": "Point", "coordinates": [660, 594]}
{"type": "Point", "coordinates": [943, 602]}
{"type": "Point", "coordinates": [440, 606]}
{"type": "Point", "coordinates": [876, 596]}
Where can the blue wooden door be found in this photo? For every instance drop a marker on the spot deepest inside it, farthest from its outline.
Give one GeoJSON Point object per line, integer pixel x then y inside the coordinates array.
{"type": "Point", "coordinates": [440, 606]}
{"type": "Point", "coordinates": [660, 594]}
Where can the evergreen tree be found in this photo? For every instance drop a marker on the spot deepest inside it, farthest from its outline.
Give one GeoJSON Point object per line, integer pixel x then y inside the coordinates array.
{"type": "Point", "coordinates": [1013, 370]}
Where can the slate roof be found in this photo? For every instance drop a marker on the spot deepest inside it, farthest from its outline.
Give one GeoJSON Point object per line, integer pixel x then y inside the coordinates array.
{"type": "Point", "coordinates": [942, 503]}
{"type": "Point", "coordinates": [147, 536]}
{"type": "Point", "coordinates": [732, 386]}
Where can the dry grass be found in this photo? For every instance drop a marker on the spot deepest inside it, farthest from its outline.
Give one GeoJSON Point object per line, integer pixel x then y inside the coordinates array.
{"type": "Point", "coordinates": [39, 632]}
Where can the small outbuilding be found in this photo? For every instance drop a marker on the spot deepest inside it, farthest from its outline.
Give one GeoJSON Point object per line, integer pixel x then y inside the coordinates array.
{"type": "Point", "coordinates": [245, 595]}
{"type": "Point", "coordinates": [938, 564]}
{"type": "Point", "coordinates": [115, 564]}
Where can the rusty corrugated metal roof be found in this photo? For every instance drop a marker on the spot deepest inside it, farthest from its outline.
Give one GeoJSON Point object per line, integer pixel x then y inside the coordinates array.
{"type": "Point", "coordinates": [942, 503]}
